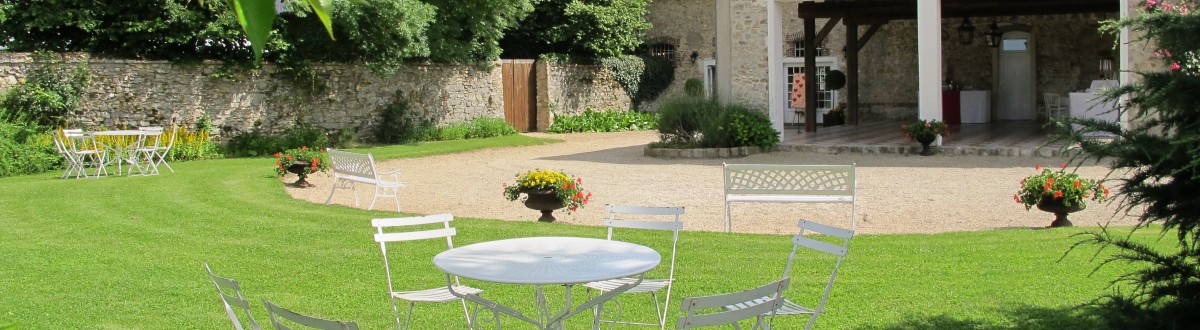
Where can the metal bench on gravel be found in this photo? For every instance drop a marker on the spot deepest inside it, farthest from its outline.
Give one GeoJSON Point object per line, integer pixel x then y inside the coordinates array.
{"type": "Point", "coordinates": [350, 168]}
{"type": "Point", "coordinates": [773, 183]}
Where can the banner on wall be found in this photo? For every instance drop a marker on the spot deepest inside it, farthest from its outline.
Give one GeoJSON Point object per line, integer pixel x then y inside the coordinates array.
{"type": "Point", "coordinates": [798, 91]}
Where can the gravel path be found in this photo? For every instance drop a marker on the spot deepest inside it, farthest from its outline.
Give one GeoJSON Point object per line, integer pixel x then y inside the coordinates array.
{"type": "Point", "coordinates": [897, 193]}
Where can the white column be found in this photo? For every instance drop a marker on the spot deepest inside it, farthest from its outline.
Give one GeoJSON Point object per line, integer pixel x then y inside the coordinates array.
{"type": "Point", "coordinates": [775, 74]}
{"type": "Point", "coordinates": [724, 79]}
{"type": "Point", "coordinates": [1123, 67]}
{"type": "Point", "coordinates": [929, 60]}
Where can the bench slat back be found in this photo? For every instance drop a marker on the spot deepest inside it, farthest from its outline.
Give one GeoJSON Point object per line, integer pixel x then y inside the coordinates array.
{"type": "Point", "coordinates": [773, 179]}
{"type": "Point", "coordinates": [352, 164]}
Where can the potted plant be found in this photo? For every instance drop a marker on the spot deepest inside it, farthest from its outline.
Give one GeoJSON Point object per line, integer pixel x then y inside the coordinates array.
{"type": "Point", "coordinates": [1059, 192]}
{"type": "Point", "coordinates": [834, 117]}
{"type": "Point", "coordinates": [925, 132]}
{"type": "Point", "coordinates": [301, 161]}
{"type": "Point", "coordinates": [547, 190]}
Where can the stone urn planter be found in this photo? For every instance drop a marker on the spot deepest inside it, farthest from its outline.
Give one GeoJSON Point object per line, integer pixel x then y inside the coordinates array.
{"type": "Point", "coordinates": [299, 168]}
{"type": "Point", "coordinates": [544, 200]}
{"type": "Point", "coordinates": [1056, 206]}
{"type": "Point", "coordinates": [925, 141]}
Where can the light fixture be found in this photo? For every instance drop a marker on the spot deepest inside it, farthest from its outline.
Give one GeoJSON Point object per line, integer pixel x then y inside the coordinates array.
{"type": "Point", "coordinates": [966, 31]}
{"type": "Point", "coordinates": [695, 55]}
{"type": "Point", "coordinates": [993, 35]}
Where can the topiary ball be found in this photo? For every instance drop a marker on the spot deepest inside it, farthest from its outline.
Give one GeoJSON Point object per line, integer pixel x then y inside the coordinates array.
{"type": "Point", "coordinates": [834, 80]}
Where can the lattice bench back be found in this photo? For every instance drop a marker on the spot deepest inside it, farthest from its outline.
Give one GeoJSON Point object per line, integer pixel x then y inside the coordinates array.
{"type": "Point", "coordinates": [353, 166]}
{"type": "Point", "coordinates": [809, 180]}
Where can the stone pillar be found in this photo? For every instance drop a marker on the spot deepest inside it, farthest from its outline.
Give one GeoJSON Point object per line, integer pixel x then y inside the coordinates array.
{"type": "Point", "coordinates": [724, 79]}
{"type": "Point", "coordinates": [775, 74]}
{"type": "Point", "coordinates": [929, 60]}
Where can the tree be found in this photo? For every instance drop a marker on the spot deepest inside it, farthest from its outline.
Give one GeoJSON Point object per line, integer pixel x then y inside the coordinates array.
{"type": "Point", "coordinates": [589, 29]}
{"type": "Point", "coordinates": [470, 31]}
{"type": "Point", "coordinates": [1160, 153]}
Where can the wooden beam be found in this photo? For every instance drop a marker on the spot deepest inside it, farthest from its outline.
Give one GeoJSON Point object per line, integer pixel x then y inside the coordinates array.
{"type": "Point", "coordinates": [810, 75]}
{"type": "Point", "coordinates": [852, 48]}
{"type": "Point", "coordinates": [867, 36]}
{"type": "Point", "coordinates": [906, 9]}
{"type": "Point", "coordinates": [829, 25]}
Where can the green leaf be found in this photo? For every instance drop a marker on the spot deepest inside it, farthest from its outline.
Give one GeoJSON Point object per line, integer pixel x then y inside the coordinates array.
{"type": "Point", "coordinates": [323, 14]}
{"type": "Point", "coordinates": [256, 18]}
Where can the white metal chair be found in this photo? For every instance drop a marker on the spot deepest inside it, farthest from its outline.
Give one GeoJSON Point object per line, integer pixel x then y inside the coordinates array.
{"type": "Point", "coordinates": [762, 309]}
{"type": "Point", "coordinates": [642, 217]}
{"type": "Point", "coordinates": [153, 151]}
{"type": "Point", "coordinates": [85, 152]}
{"type": "Point", "coordinates": [798, 241]}
{"type": "Point", "coordinates": [279, 313]}
{"type": "Point", "coordinates": [349, 168]}
{"type": "Point", "coordinates": [143, 153]}
{"type": "Point", "coordinates": [231, 295]}
{"type": "Point", "coordinates": [1055, 109]}
{"type": "Point", "coordinates": [438, 294]}
{"type": "Point", "coordinates": [73, 165]}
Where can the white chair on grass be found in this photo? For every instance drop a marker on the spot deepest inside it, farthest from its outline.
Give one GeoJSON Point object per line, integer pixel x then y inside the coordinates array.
{"type": "Point", "coordinates": [153, 153]}
{"type": "Point", "coordinates": [838, 250]}
{"type": "Point", "coordinates": [279, 314]}
{"type": "Point", "coordinates": [350, 168]}
{"type": "Point", "coordinates": [384, 235]}
{"type": "Point", "coordinates": [231, 295]}
{"type": "Point", "coordinates": [85, 152]}
{"type": "Point", "coordinates": [73, 164]}
{"type": "Point", "coordinates": [641, 217]}
{"type": "Point", "coordinates": [757, 307]}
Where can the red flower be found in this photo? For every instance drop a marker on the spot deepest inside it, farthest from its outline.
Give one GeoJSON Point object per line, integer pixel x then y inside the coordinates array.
{"type": "Point", "coordinates": [277, 155]}
{"type": "Point", "coordinates": [1064, 166]}
{"type": "Point", "coordinates": [1049, 181]}
{"type": "Point", "coordinates": [580, 180]}
{"type": "Point", "coordinates": [1077, 184]}
{"type": "Point", "coordinates": [1017, 198]}
{"type": "Point", "coordinates": [1037, 167]}
{"type": "Point", "coordinates": [289, 157]}
{"type": "Point", "coordinates": [1058, 193]}
{"type": "Point", "coordinates": [279, 163]}
{"type": "Point", "coordinates": [1105, 192]}
{"type": "Point", "coordinates": [1047, 187]}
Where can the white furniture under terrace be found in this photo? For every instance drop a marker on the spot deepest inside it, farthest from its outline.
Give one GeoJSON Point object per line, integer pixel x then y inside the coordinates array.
{"type": "Point", "coordinates": [820, 249]}
{"type": "Point", "coordinates": [542, 261]}
{"type": "Point", "coordinates": [395, 230]}
{"type": "Point", "coordinates": [284, 319]}
{"type": "Point", "coordinates": [350, 168]}
{"type": "Point", "coordinates": [762, 310]}
{"type": "Point", "coordinates": [623, 217]}
{"type": "Point", "coordinates": [778, 183]}
{"type": "Point", "coordinates": [975, 107]}
{"type": "Point", "coordinates": [231, 296]}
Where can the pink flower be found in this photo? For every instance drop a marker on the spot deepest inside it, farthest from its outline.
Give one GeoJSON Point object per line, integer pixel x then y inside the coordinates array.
{"type": "Point", "coordinates": [1151, 3]}
{"type": "Point", "coordinates": [1175, 66]}
{"type": "Point", "coordinates": [1064, 166]}
{"type": "Point", "coordinates": [1037, 167]}
{"type": "Point", "coordinates": [1017, 198]}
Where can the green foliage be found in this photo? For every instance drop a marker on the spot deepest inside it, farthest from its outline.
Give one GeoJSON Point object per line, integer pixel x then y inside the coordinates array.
{"type": "Point", "coordinates": [23, 150]}
{"type": "Point", "coordinates": [397, 126]}
{"type": "Point", "coordinates": [191, 145]}
{"type": "Point", "coordinates": [470, 31]}
{"type": "Point", "coordinates": [49, 93]}
{"type": "Point", "coordinates": [604, 121]}
{"type": "Point", "coordinates": [693, 87]}
{"type": "Point", "coordinates": [489, 127]}
{"type": "Point", "coordinates": [627, 70]}
{"type": "Point", "coordinates": [256, 143]}
{"type": "Point", "coordinates": [313, 159]}
{"type": "Point", "coordinates": [584, 29]}
{"type": "Point", "coordinates": [659, 74]}
{"type": "Point", "coordinates": [1158, 159]}
{"type": "Point", "coordinates": [691, 122]}
{"type": "Point", "coordinates": [834, 80]}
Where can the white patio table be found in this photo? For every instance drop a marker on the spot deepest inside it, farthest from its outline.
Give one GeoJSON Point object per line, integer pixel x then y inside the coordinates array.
{"type": "Point", "coordinates": [125, 143]}
{"type": "Point", "coordinates": [547, 261]}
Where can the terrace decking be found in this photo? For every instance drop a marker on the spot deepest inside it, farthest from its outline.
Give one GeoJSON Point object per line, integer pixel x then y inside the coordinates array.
{"type": "Point", "coordinates": [998, 138]}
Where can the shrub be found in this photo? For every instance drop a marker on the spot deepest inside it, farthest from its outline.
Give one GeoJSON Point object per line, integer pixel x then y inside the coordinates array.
{"type": "Point", "coordinates": [50, 92]}
{"type": "Point", "coordinates": [192, 145]}
{"type": "Point", "coordinates": [485, 127]}
{"type": "Point", "coordinates": [255, 142]}
{"type": "Point", "coordinates": [690, 122]}
{"type": "Point", "coordinates": [604, 121]}
{"type": "Point", "coordinates": [396, 126]}
{"type": "Point", "coordinates": [680, 119]}
{"type": "Point", "coordinates": [693, 87]}
{"type": "Point", "coordinates": [752, 128]}
{"type": "Point", "coordinates": [658, 74]}
{"type": "Point", "coordinates": [23, 150]}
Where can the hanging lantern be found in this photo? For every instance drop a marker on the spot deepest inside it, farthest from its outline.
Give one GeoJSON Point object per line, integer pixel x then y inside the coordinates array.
{"type": "Point", "coordinates": [966, 31]}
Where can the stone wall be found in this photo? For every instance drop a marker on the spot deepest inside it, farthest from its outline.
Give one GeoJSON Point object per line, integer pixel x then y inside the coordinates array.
{"type": "Point", "coordinates": [690, 24]}
{"type": "Point", "coordinates": [139, 93]}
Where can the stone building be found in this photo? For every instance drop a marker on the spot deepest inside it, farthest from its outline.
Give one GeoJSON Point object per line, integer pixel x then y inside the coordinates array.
{"type": "Point", "coordinates": [1018, 51]}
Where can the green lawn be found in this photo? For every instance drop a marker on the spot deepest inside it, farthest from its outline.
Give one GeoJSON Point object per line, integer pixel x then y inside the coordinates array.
{"type": "Point", "coordinates": [127, 253]}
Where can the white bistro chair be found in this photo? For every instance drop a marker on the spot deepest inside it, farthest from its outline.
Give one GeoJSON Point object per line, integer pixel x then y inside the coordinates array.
{"type": "Point", "coordinates": [280, 314]}
{"type": "Point", "coordinates": [838, 250]}
{"type": "Point", "coordinates": [1055, 107]}
{"type": "Point", "coordinates": [82, 150]}
{"type": "Point", "coordinates": [642, 217]}
{"type": "Point", "coordinates": [153, 152]}
{"type": "Point", "coordinates": [385, 234]}
{"type": "Point", "coordinates": [231, 296]}
{"type": "Point", "coordinates": [757, 307]}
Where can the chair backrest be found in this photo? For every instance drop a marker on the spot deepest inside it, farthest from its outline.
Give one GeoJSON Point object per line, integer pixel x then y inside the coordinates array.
{"type": "Point", "coordinates": [352, 164]}
{"type": "Point", "coordinates": [753, 299]}
{"type": "Point", "coordinates": [75, 139]}
{"type": "Point", "coordinates": [153, 133]}
{"type": "Point", "coordinates": [1052, 100]}
{"type": "Point", "coordinates": [647, 217]}
{"type": "Point", "coordinates": [385, 232]}
{"type": "Point", "coordinates": [231, 295]}
{"type": "Point", "coordinates": [277, 313]}
{"type": "Point", "coordinates": [839, 250]}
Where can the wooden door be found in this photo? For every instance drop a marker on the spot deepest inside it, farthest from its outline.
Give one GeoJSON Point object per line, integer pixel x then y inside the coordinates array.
{"type": "Point", "coordinates": [520, 89]}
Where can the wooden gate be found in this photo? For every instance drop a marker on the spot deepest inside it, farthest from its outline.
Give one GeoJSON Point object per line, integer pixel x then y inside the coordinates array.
{"type": "Point", "coordinates": [520, 99]}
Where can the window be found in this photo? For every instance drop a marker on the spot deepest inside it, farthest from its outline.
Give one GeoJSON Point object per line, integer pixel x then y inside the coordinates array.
{"type": "Point", "coordinates": [663, 47]}
{"type": "Point", "coordinates": [794, 46]}
{"type": "Point", "coordinates": [1013, 45]}
{"type": "Point", "coordinates": [824, 97]}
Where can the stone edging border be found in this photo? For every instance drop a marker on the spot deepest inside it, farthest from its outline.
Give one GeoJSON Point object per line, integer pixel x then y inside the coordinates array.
{"type": "Point", "coordinates": [708, 153]}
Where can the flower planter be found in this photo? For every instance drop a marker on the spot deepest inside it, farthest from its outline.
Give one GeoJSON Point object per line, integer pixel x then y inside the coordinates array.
{"type": "Point", "coordinates": [925, 141]}
{"type": "Point", "coordinates": [543, 200]}
{"type": "Point", "coordinates": [1056, 206]}
{"type": "Point", "coordinates": [832, 119]}
{"type": "Point", "coordinates": [299, 168]}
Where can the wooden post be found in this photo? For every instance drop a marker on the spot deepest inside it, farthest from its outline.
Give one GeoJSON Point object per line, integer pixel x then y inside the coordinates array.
{"type": "Point", "coordinates": [810, 75]}
{"type": "Point", "coordinates": [852, 73]}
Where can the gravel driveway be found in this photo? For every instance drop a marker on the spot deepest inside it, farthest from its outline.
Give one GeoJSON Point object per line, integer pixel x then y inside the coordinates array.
{"type": "Point", "coordinates": [897, 193]}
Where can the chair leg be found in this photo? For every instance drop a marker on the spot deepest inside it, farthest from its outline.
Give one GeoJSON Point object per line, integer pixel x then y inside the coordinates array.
{"type": "Point", "coordinates": [408, 317]}
{"type": "Point", "coordinates": [396, 312]}
{"type": "Point", "coordinates": [332, 189]}
{"type": "Point", "coordinates": [162, 159]}
{"type": "Point", "coordinates": [728, 227]}
{"type": "Point", "coordinates": [373, 199]}
{"type": "Point", "coordinates": [467, 314]}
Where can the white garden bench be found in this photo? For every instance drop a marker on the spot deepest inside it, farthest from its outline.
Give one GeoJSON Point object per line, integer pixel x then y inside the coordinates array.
{"type": "Point", "coordinates": [772, 183]}
{"type": "Point", "coordinates": [350, 168]}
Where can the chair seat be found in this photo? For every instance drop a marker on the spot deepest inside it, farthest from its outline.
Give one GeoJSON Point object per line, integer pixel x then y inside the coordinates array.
{"type": "Point", "coordinates": [380, 183]}
{"type": "Point", "coordinates": [439, 294]}
{"type": "Point", "coordinates": [789, 307]}
{"type": "Point", "coordinates": [649, 285]}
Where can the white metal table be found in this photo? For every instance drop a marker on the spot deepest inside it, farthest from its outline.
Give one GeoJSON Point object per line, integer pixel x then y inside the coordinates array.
{"type": "Point", "coordinates": [125, 143]}
{"type": "Point", "coordinates": [547, 261]}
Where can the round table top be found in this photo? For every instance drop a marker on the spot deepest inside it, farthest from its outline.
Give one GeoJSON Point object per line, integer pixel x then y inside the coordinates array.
{"type": "Point", "coordinates": [122, 132]}
{"type": "Point", "coordinates": [548, 260]}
